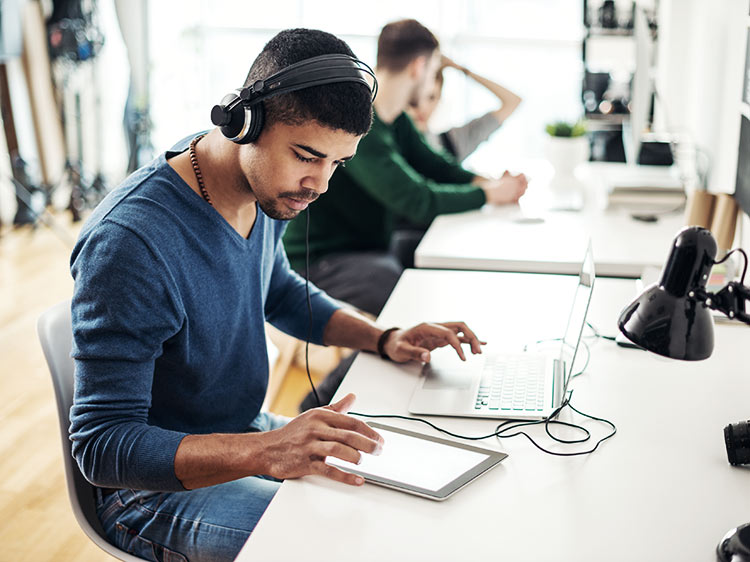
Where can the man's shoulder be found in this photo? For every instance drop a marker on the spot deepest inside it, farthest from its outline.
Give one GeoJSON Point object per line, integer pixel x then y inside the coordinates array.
{"type": "Point", "coordinates": [397, 136]}
{"type": "Point", "coordinates": [149, 202]}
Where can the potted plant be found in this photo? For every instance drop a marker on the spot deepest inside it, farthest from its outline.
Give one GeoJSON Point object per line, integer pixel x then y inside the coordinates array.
{"type": "Point", "coordinates": [567, 147]}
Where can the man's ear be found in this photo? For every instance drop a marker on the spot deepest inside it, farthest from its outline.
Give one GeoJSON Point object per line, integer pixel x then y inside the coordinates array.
{"type": "Point", "coordinates": [417, 67]}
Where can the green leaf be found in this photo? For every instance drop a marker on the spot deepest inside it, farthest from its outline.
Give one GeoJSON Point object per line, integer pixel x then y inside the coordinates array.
{"type": "Point", "coordinates": [566, 129]}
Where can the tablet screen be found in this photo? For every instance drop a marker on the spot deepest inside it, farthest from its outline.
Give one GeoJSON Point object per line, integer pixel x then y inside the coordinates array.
{"type": "Point", "coordinates": [421, 463]}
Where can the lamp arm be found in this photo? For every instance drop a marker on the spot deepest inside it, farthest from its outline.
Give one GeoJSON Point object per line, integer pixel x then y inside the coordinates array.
{"type": "Point", "coordinates": [729, 300]}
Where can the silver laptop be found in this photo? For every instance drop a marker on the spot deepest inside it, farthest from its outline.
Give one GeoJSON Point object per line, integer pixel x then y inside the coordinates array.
{"type": "Point", "coordinates": [527, 385]}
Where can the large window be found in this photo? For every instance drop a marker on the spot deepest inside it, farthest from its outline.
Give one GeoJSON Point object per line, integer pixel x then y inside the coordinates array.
{"type": "Point", "coordinates": [202, 49]}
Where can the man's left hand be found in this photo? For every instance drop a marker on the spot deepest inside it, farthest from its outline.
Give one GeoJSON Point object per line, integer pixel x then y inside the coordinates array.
{"type": "Point", "coordinates": [416, 343]}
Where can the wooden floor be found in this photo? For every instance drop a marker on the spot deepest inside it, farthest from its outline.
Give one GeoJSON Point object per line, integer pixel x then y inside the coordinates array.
{"type": "Point", "coordinates": [36, 522]}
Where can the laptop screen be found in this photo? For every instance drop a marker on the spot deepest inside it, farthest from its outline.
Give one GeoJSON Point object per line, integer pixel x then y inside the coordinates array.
{"type": "Point", "coordinates": [577, 317]}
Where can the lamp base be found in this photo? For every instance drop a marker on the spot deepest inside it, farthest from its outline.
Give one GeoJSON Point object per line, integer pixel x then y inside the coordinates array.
{"type": "Point", "coordinates": [735, 546]}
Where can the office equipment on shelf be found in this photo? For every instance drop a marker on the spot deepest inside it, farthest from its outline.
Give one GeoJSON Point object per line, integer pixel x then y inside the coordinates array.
{"type": "Point", "coordinates": [527, 385]}
{"type": "Point", "coordinates": [648, 179]}
{"type": "Point", "coordinates": [422, 465]}
{"type": "Point", "coordinates": [638, 186]}
{"type": "Point", "coordinates": [641, 90]}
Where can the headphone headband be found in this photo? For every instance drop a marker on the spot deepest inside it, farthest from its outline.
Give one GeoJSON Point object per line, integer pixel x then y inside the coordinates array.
{"type": "Point", "coordinates": [237, 122]}
{"type": "Point", "coordinates": [315, 71]}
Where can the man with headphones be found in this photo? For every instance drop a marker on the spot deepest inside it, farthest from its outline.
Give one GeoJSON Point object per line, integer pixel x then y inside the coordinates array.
{"type": "Point", "coordinates": [175, 274]}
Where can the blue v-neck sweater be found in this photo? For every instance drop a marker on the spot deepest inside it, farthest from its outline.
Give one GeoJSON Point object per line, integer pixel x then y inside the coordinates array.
{"type": "Point", "coordinates": [168, 323]}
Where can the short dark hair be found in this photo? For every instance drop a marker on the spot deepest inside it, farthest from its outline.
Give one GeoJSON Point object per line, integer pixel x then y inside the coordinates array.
{"type": "Point", "coordinates": [342, 105]}
{"type": "Point", "coordinates": [401, 42]}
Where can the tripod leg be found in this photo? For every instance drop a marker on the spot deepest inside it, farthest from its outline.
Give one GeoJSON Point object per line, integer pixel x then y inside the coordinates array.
{"type": "Point", "coordinates": [75, 206]}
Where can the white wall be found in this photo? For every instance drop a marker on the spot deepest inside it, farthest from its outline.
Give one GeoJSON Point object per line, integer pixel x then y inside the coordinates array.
{"type": "Point", "coordinates": [701, 53]}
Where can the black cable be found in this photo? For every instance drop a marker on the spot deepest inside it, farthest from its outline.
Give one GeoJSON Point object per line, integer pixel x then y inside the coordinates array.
{"type": "Point", "coordinates": [638, 214]}
{"type": "Point", "coordinates": [510, 425]}
{"type": "Point", "coordinates": [598, 334]}
{"type": "Point", "coordinates": [309, 305]}
{"type": "Point", "coordinates": [502, 428]}
{"type": "Point", "coordinates": [725, 258]}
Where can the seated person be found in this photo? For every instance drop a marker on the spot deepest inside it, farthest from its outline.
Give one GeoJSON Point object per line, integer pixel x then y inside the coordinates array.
{"type": "Point", "coordinates": [462, 141]}
{"type": "Point", "coordinates": [176, 272]}
{"type": "Point", "coordinates": [395, 176]}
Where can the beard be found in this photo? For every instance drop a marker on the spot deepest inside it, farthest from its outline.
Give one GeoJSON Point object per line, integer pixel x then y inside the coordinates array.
{"type": "Point", "coordinates": [275, 208]}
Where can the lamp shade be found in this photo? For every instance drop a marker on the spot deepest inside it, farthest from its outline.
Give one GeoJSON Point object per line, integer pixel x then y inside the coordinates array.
{"type": "Point", "coordinates": [667, 318]}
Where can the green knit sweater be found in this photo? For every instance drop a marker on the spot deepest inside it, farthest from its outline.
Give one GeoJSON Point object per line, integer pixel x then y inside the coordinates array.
{"type": "Point", "coordinates": [394, 174]}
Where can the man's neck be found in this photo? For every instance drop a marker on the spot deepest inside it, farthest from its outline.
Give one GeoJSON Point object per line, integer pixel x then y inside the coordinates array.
{"type": "Point", "coordinates": [223, 179]}
{"type": "Point", "coordinates": [394, 90]}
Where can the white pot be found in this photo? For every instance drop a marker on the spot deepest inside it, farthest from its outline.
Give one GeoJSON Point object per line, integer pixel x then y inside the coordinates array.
{"type": "Point", "coordinates": [565, 153]}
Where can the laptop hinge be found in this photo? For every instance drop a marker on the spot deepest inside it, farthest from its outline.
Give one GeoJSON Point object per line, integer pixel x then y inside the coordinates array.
{"type": "Point", "coordinates": [558, 382]}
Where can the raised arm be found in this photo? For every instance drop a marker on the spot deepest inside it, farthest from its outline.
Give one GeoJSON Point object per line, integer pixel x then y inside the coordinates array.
{"type": "Point", "coordinates": [509, 100]}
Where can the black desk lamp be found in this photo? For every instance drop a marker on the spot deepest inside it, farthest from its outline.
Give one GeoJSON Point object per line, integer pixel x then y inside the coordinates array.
{"type": "Point", "coordinates": [672, 318]}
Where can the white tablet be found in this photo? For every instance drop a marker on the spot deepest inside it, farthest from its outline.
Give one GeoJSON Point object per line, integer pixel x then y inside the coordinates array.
{"type": "Point", "coordinates": [420, 464]}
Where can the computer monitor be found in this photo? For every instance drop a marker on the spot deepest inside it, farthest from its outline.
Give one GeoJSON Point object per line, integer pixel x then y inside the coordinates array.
{"type": "Point", "coordinates": [641, 89]}
{"type": "Point", "coordinates": [742, 185]}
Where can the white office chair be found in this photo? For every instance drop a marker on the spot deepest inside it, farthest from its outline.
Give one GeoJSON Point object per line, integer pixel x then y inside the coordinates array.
{"type": "Point", "coordinates": [56, 337]}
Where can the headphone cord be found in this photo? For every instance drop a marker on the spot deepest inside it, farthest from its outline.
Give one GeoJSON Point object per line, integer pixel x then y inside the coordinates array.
{"type": "Point", "coordinates": [309, 305]}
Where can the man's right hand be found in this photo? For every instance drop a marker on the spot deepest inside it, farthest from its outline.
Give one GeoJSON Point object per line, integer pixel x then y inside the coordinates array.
{"type": "Point", "coordinates": [300, 447]}
{"type": "Point", "coordinates": [507, 189]}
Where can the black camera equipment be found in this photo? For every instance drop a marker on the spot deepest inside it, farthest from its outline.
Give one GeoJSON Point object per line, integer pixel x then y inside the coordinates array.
{"type": "Point", "coordinates": [737, 439]}
{"type": "Point", "coordinates": [74, 42]}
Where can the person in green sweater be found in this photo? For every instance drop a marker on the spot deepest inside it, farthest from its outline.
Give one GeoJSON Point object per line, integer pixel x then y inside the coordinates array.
{"type": "Point", "coordinates": [395, 177]}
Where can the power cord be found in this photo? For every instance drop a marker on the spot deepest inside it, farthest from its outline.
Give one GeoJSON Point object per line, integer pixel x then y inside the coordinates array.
{"type": "Point", "coordinates": [744, 255]}
{"type": "Point", "coordinates": [511, 425]}
{"type": "Point", "coordinates": [598, 334]}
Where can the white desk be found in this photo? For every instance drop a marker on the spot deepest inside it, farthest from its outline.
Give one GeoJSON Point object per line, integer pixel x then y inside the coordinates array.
{"type": "Point", "coordinates": [660, 489]}
{"type": "Point", "coordinates": [534, 240]}
{"type": "Point", "coordinates": [506, 239]}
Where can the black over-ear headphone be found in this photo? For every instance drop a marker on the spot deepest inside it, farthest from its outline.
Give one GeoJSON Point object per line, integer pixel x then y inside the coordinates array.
{"type": "Point", "coordinates": [240, 114]}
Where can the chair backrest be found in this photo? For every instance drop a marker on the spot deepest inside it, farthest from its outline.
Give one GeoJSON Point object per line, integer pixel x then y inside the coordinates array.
{"type": "Point", "coordinates": [56, 336]}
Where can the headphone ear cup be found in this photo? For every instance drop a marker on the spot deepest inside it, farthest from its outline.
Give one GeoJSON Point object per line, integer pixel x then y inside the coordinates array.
{"type": "Point", "coordinates": [236, 123]}
{"type": "Point", "coordinates": [245, 123]}
{"type": "Point", "coordinates": [257, 116]}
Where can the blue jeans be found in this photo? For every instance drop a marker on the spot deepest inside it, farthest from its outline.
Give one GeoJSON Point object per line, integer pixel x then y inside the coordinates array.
{"type": "Point", "coordinates": [206, 524]}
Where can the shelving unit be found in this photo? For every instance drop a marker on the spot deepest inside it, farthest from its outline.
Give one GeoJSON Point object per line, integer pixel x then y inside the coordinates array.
{"type": "Point", "coordinates": [609, 59]}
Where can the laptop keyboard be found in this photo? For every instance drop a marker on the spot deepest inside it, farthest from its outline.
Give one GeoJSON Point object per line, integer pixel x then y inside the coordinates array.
{"type": "Point", "coordinates": [512, 384]}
